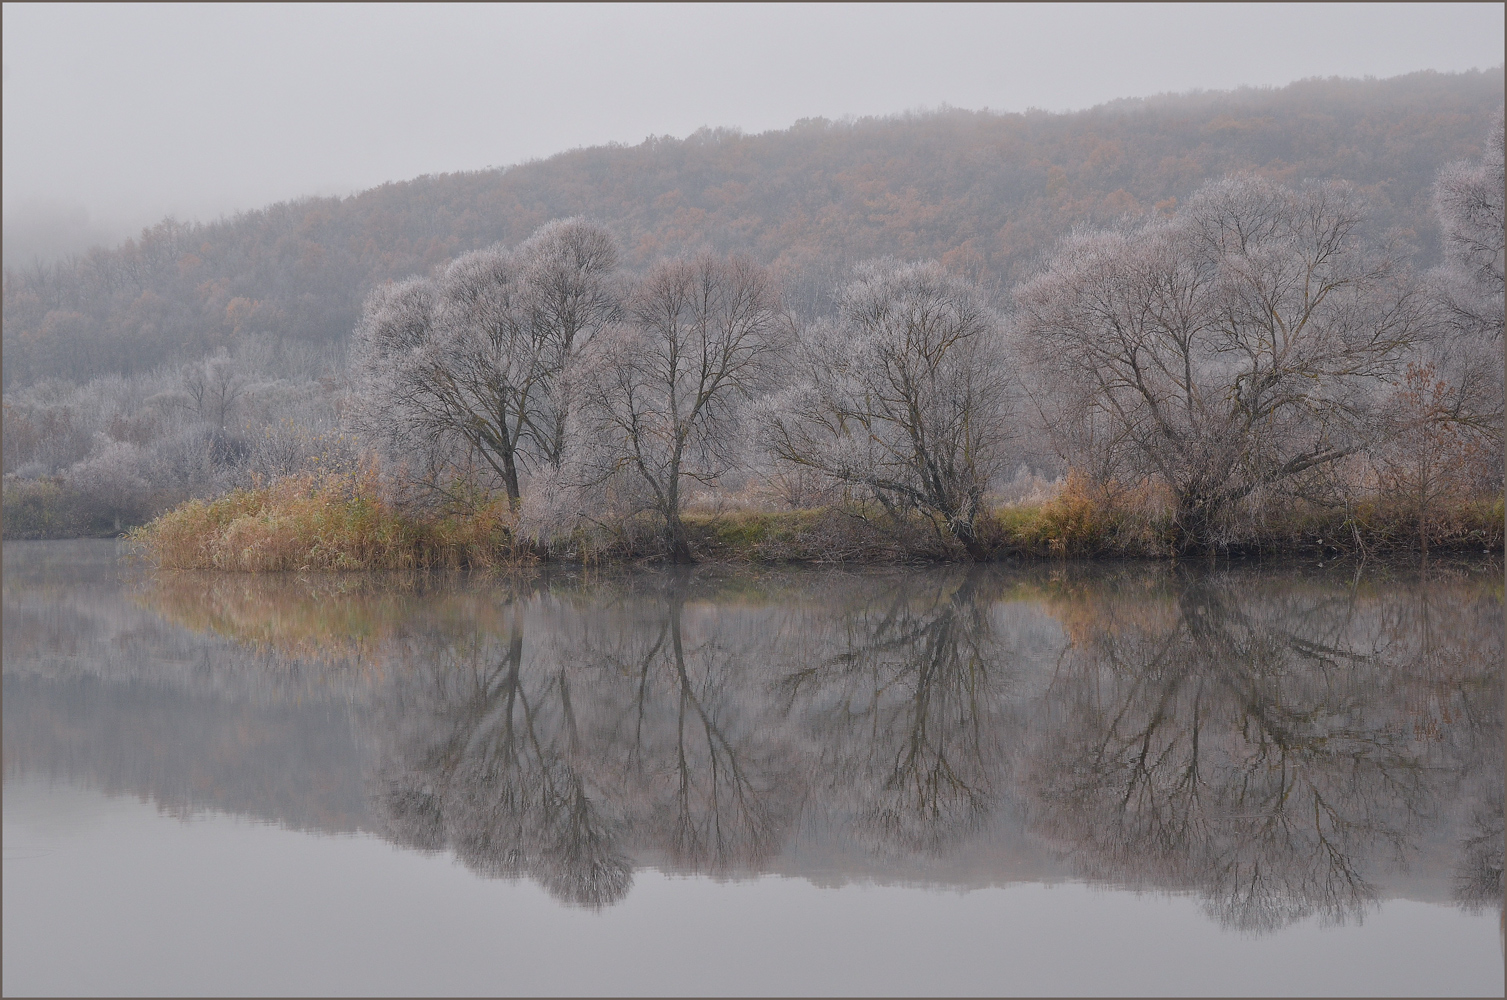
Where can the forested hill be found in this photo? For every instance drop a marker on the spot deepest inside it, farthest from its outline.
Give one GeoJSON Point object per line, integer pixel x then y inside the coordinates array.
{"type": "Point", "coordinates": [985, 193]}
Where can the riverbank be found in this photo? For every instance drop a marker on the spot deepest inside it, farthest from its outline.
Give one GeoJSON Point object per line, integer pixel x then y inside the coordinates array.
{"type": "Point", "coordinates": [313, 523]}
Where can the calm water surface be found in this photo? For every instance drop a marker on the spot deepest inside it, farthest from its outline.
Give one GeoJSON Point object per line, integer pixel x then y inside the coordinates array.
{"type": "Point", "coordinates": [1039, 780]}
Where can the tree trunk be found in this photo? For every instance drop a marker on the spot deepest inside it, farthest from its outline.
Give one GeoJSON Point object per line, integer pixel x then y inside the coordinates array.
{"type": "Point", "coordinates": [510, 479]}
{"type": "Point", "coordinates": [962, 529]}
{"type": "Point", "coordinates": [677, 546]}
{"type": "Point", "coordinates": [1193, 523]}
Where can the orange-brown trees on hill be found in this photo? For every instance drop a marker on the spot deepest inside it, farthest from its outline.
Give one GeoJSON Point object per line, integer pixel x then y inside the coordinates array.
{"type": "Point", "coordinates": [988, 194]}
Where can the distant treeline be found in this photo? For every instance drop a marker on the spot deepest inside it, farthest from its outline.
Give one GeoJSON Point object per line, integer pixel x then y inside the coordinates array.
{"type": "Point", "coordinates": [985, 194]}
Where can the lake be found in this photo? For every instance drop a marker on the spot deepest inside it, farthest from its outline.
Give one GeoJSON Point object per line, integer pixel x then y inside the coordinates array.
{"type": "Point", "coordinates": [1051, 779]}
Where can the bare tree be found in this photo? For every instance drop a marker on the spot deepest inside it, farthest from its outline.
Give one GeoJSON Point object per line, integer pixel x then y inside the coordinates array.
{"type": "Point", "coordinates": [906, 395]}
{"type": "Point", "coordinates": [1431, 458]}
{"type": "Point", "coordinates": [210, 388]}
{"type": "Point", "coordinates": [1223, 352]}
{"type": "Point", "coordinates": [467, 370]}
{"type": "Point", "coordinates": [402, 399]}
{"type": "Point", "coordinates": [663, 392]}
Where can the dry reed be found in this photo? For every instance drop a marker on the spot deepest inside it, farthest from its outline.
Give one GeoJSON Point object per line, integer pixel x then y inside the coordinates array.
{"type": "Point", "coordinates": [316, 521]}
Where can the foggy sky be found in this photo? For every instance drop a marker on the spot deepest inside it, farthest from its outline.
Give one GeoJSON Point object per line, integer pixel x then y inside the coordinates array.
{"type": "Point", "coordinates": [117, 115]}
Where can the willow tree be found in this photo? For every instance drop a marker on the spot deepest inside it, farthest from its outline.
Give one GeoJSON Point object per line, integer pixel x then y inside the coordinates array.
{"type": "Point", "coordinates": [905, 395]}
{"type": "Point", "coordinates": [662, 393]}
{"type": "Point", "coordinates": [463, 375]}
{"type": "Point", "coordinates": [1468, 288]}
{"type": "Point", "coordinates": [1240, 345]}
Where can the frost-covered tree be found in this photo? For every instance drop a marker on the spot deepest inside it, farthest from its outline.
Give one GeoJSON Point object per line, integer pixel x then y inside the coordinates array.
{"type": "Point", "coordinates": [1468, 199]}
{"type": "Point", "coordinates": [906, 394]}
{"type": "Point", "coordinates": [1468, 287]}
{"type": "Point", "coordinates": [464, 375]}
{"type": "Point", "coordinates": [662, 392]}
{"type": "Point", "coordinates": [568, 270]}
{"type": "Point", "coordinates": [1229, 350]}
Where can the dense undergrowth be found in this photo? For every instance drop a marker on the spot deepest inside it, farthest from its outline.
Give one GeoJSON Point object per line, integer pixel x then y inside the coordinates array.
{"type": "Point", "coordinates": [343, 522]}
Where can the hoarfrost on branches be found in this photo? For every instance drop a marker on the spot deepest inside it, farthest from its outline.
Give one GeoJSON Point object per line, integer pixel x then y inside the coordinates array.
{"type": "Point", "coordinates": [664, 391]}
{"type": "Point", "coordinates": [1229, 350]}
{"type": "Point", "coordinates": [463, 378]}
{"type": "Point", "coordinates": [906, 394]}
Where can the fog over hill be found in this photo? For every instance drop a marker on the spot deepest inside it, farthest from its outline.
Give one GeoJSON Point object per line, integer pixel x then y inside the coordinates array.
{"type": "Point", "coordinates": [985, 193]}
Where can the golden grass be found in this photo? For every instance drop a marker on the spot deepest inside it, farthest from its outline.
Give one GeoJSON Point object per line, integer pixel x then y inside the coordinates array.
{"type": "Point", "coordinates": [1087, 520]}
{"type": "Point", "coordinates": [1077, 521]}
{"type": "Point", "coordinates": [325, 522]}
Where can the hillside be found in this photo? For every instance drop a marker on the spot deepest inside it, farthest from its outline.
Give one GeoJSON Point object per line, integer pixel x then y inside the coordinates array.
{"type": "Point", "coordinates": [985, 193]}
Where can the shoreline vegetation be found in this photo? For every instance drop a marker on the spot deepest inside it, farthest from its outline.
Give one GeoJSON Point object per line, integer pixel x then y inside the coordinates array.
{"type": "Point", "coordinates": [1261, 368]}
{"type": "Point", "coordinates": [338, 522]}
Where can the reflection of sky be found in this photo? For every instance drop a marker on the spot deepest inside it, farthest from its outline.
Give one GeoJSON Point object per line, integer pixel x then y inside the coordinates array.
{"type": "Point", "coordinates": [109, 896]}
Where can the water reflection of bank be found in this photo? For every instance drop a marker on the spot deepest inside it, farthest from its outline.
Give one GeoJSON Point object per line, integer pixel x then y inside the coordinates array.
{"type": "Point", "coordinates": [1281, 746]}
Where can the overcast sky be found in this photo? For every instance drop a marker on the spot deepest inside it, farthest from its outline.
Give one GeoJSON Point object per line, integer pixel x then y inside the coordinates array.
{"type": "Point", "coordinates": [128, 113]}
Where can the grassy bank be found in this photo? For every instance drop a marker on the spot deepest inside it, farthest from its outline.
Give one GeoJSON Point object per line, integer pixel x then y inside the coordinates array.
{"type": "Point", "coordinates": [343, 523]}
{"type": "Point", "coordinates": [1074, 529]}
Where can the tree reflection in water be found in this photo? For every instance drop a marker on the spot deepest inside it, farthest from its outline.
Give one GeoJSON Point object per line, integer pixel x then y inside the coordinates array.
{"type": "Point", "coordinates": [903, 698]}
{"type": "Point", "coordinates": [684, 725]}
{"type": "Point", "coordinates": [1265, 747]}
{"type": "Point", "coordinates": [543, 754]}
{"type": "Point", "coordinates": [1280, 746]}
{"type": "Point", "coordinates": [1478, 876]}
{"type": "Point", "coordinates": [483, 759]}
